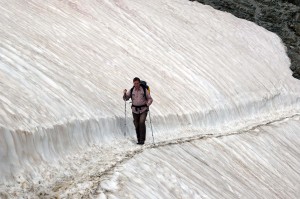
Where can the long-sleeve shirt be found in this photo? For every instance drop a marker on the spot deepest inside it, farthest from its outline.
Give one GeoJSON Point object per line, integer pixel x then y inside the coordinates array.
{"type": "Point", "coordinates": [138, 99]}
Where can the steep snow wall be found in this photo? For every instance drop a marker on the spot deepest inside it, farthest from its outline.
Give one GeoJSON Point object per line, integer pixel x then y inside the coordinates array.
{"type": "Point", "coordinates": [64, 64]}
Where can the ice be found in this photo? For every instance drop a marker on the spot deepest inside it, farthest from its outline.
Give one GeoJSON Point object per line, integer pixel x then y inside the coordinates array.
{"type": "Point", "coordinates": [64, 65]}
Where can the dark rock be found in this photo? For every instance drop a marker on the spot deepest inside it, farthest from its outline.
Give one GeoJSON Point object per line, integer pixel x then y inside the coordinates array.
{"type": "Point", "coordinates": [296, 2]}
{"type": "Point", "coordinates": [297, 29]}
{"type": "Point", "coordinates": [293, 67]}
{"type": "Point", "coordinates": [296, 75]}
{"type": "Point", "coordinates": [295, 62]}
{"type": "Point", "coordinates": [297, 17]}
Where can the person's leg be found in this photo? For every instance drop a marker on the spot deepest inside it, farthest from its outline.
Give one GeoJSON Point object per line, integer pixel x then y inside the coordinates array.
{"type": "Point", "coordinates": [142, 126]}
{"type": "Point", "coordinates": [136, 119]}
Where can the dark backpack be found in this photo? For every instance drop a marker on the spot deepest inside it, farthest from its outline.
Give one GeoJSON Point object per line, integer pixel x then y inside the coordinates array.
{"type": "Point", "coordinates": [145, 87]}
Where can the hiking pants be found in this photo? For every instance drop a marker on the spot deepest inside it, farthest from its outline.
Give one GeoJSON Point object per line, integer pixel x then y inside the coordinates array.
{"type": "Point", "coordinates": [140, 126]}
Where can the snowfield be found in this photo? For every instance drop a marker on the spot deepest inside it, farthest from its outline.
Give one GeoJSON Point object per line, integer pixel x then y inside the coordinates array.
{"type": "Point", "coordinates": [260, 163]}
{"type": "Point", "coordinates": [64, 65]}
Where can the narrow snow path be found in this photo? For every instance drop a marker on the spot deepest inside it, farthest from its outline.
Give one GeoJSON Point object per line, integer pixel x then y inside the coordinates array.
{"type": "Point", "coordinates": [95, 165]}
{"type": "Point", "coordinates": [262, 162]}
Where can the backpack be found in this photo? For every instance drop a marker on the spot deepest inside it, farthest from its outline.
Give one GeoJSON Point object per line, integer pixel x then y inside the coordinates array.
{"type": "Point", "coordinates": [144, 85]}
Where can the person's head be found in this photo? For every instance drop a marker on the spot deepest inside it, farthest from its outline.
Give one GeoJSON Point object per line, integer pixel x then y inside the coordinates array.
{"type": "Point", "coordinates": [136, 82]}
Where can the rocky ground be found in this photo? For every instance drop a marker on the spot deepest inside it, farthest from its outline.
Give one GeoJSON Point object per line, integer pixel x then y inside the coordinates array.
{"type": "Point", "coordinates": [279, 16]}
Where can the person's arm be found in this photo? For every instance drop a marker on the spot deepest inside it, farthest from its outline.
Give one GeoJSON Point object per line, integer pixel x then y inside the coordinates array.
{"type": "Point", "coordinates": [149, 98]}
{"type": "Point", "coordinates": [126, 95]}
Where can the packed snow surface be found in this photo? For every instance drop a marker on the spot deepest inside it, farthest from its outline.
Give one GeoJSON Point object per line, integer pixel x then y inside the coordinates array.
{"type": "Point", "coordinates": [65, 63]}
{"type": "Point", "coordinates": [261, 163]}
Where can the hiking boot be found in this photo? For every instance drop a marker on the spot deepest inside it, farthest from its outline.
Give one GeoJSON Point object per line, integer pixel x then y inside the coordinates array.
{"type": "Point", "coordinates": [140, 143]}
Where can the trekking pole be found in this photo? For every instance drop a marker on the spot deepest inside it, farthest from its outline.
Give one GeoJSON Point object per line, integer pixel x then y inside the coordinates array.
{"type": "Point", "coordinates": [151, 127]}
{"type": "Point", "coordinates": [125, 119]}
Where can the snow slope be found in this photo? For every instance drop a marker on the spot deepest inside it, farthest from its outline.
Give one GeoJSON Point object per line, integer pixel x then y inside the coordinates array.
{"type": "Point", "coordinates": [64, 64]}
{"type": "Point", "coordinates": [260, 163]}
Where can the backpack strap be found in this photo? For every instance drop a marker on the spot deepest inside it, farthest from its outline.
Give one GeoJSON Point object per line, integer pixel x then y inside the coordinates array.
{"type": "Point", "coordinates": [131, 90]}
{"type": "Point", "coordinates": [144, 88]}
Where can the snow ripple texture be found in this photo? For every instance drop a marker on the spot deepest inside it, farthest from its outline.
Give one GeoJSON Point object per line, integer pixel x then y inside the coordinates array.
{"type": "Point", "coordinates": [260, 163]}
{"type": "Point", "coordinates": [64, 65]}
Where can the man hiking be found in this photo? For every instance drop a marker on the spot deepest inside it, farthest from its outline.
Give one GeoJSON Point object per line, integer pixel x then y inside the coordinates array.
{"type": "Point", "coordinates": [141, 100]}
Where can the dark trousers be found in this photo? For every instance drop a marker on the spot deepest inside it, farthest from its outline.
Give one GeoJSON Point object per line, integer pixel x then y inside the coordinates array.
{"type": "Point", "coordinates": [140, 126]}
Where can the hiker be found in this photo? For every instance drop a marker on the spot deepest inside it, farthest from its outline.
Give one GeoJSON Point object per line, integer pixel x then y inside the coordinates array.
{"type": "Point", "coordinates": [141, 100]}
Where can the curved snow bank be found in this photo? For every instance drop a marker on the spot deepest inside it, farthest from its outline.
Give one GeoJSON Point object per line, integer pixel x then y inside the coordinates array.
{"type": "Point", "coordinates": [64, 64]}
{"type": "Point", "coordinates": [262, 163]}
